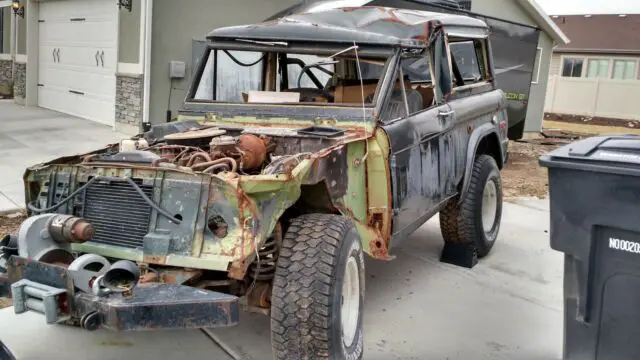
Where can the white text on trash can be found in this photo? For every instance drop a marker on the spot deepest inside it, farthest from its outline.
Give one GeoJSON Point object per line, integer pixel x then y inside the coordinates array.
{"type": "Point", "coordinates": [624, 245]}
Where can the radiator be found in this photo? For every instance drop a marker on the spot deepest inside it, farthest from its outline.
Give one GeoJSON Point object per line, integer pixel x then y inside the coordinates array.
{"type": "Point", "coordinates": [119, 214]}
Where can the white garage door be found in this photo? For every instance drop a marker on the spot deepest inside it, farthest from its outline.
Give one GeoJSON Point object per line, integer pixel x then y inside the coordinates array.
{"type": "Point", "coordinates": [78, 58]}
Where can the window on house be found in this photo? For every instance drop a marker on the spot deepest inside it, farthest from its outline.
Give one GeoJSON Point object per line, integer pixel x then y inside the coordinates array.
{"type": "Point", "coordinates": [572, 67]}
{"type": "Point", "coordinates": [598, 68]}
{"type": "Point", "coordinates": [624, 69]}
{"type": "Point", "coordinates": [536, 69]}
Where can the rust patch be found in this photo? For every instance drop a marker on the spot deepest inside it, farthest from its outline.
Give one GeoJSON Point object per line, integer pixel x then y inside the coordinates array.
{"type": "Point", "coordinates": [179, 276]}
{"type": "Point", "coordinates": [154, 259]}
{"type": "Point", "coordinates": [148, 278]}
{"type": "Point", "coordinates": [238, 269]}
{"type": "Point", "coordinates": [379, 248]}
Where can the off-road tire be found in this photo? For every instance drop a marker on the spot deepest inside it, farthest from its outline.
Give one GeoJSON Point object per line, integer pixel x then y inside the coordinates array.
{"type": "Point", "coordinates": [307, 290]}
{"type": "Point", "coordinates": [461, 223]}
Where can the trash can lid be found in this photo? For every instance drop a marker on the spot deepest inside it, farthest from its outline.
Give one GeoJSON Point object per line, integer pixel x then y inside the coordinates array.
{"type": "Point", "coordinates": [619, 154]}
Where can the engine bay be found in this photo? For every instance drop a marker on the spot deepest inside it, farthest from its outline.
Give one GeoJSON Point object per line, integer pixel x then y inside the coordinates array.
{"type": "Point", "coordinates": [190, 146]}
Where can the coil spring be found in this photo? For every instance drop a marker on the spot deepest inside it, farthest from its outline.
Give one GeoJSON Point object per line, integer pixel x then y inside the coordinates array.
{"type": "Point", "coordinates": [264, 266]}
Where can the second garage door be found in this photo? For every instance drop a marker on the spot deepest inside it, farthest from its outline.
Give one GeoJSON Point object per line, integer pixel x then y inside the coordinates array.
{"type": "Point", "coordinates": [78, 58]}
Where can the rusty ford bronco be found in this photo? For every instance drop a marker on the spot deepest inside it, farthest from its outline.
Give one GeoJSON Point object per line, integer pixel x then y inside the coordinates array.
{"type": "Point", "coordinates": [303, 143]}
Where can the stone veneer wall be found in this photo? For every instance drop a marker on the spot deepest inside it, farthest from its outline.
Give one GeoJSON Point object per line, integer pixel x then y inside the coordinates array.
{"type": "Point", "coordinates": [129, 97]}
{"type": "Point", "coordinates": [5, 76]}
{"type": "Point", "coordinates": [20, 83]}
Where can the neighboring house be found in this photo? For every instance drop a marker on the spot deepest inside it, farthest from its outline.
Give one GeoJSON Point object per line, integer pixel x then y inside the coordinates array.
{"type": "Point", "coordinates": [598, 73]}
{"type": "Point", "coordinates": [109, 63]}
{"type": "Point", "coordinates": [529, 13]}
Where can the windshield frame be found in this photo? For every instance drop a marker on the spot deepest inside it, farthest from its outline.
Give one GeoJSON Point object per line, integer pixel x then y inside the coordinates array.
{"type": "Point", "coordinates": [383, 53]}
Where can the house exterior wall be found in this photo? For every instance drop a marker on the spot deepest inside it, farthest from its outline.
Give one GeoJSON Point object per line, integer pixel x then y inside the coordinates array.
{"type": "Point", "coordinates": [174, 27]}
{"type": "Point", "coordinates": [129, 34]}
{"type": "Point", "coordinates": [556, 63]}
{"type": "Point", "coordinates": [22, 32]}
{"type": "Point", "coordinates": [503, 9]}
{"type": "Point", "coordinates": [129, 95]}
{"type": "Point", "coordinates": [538, 94]}
{"type": "Point", "coordinates": [5, 77]}
{"type": "Point", "coordinates": [512, 11]}
{"type": "Point", "coordinates": [593, 97]}
{"type": "Point", "coordinates": [6, 31]}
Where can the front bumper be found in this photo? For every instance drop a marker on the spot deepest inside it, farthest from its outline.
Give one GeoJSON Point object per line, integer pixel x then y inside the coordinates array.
{"type": "Point", "coordinates": [49, 289]}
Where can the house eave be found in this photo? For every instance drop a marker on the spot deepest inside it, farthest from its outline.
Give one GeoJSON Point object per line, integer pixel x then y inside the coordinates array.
{"type": "Point", "coordinates": [597, 51]}
{"type": "Point", "coordinates": [544, 21]}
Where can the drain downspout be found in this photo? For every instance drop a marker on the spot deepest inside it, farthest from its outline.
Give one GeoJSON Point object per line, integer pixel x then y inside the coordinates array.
{"type": "Point", "coordinates": [147, 63]}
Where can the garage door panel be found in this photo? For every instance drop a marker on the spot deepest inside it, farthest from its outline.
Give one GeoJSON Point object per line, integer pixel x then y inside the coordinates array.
{"type": "Point", "coordinates": [77, 104]}
{"type": "Point", "coordinates": [90, 9]}
{"type": "Point", "coordinates": [80, 33]}
{"type": "Point", "coordinates": [78, 58]}
{"type": "Point", "coordinates": [97, 84]}
{"type": "Point", "coordinates": [88, 59]}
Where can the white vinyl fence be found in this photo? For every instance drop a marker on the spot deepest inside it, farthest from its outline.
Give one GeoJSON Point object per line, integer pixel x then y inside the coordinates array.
{"type": "Point", "coordinates": [594, 97]}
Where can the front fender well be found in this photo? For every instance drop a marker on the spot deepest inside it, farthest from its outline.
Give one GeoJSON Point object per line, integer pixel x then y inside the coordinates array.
{"type": "Point", "coordinates": [485, 139]}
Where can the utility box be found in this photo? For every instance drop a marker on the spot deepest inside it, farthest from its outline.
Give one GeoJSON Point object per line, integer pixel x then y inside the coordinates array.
{"type": "Point", "coordinates": [594, 189]}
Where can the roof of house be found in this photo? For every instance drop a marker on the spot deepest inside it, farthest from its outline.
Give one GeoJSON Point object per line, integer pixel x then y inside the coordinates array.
{"type": "Point", "coordinates": [530, 6]}
{"type": "Point", "coordinates": [364, 25]}
{"type": "Point", "coordinates": [617, 34]}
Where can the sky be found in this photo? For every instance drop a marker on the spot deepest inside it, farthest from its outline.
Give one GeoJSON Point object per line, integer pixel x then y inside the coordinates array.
{"type": "Point", "coordinates": [571, 7]}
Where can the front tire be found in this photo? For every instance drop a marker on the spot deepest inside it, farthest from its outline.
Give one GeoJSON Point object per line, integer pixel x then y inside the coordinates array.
{"type": "Point", "coordinates": [318, 291]}
{"type": "Point", "coordinates": [477, 219]}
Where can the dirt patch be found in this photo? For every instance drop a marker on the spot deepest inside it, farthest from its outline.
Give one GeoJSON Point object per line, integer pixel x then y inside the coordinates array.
{"type": "Point", "coordinates": [4, 303]}
{"type": "Point", "coordinates": [593, 120]}
{"type": "Point", "coordinates": [590, 128]}
{"type": "Point", "coordinates": [9, 223]}
{"type": "Point", "coordinates": [523, 176]}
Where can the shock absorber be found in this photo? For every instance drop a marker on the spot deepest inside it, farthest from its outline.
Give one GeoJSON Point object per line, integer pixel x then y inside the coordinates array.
{"type": "Point", "coordinates": [263, 268]}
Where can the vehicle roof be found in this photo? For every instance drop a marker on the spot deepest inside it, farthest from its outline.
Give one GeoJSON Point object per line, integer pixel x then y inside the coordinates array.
{"type": "Point", "coordinates": [363, 25]}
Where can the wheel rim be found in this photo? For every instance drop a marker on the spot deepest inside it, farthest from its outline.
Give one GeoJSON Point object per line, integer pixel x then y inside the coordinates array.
{"type": "Point", "coordinates": [350, 302]}
{"type": "Point", "coordinates": [489, 206]}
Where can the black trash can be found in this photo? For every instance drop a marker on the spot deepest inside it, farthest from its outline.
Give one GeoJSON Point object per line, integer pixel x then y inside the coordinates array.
{"type": "Point", "coordinates": [594, 190]}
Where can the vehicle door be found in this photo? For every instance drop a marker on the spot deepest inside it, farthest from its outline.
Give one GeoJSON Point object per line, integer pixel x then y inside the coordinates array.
{"type": "Point", "coordinates": [414, 120]}
{"type": "Point", "coordinates": [473, 102]}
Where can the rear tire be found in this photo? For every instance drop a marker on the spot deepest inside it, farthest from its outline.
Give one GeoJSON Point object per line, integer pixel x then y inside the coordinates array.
{"type": "Point", "coordinates": [477, 219]}
{"type": "Point", "coordinates": [318, 291]}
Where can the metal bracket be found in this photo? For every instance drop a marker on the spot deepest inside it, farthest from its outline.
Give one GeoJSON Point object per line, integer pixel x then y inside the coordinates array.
{"type": "Point", "coordinates": [28, 295]}
{"type": "Point", "coordinates": [86, 269]}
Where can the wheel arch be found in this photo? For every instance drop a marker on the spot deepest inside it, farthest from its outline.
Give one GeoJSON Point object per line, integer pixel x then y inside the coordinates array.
{"type": "Point", "coordinates": [483, 140]}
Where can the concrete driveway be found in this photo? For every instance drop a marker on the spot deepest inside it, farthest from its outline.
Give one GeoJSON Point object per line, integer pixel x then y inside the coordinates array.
{"type": "Point", "coordinates": [507, 307]}
{"type": "Point", "coordinates": [30, 135]}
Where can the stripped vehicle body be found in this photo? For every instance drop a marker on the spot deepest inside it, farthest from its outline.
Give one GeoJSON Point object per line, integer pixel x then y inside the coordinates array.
{"type": "Point", "coordinates": [211, 215]}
